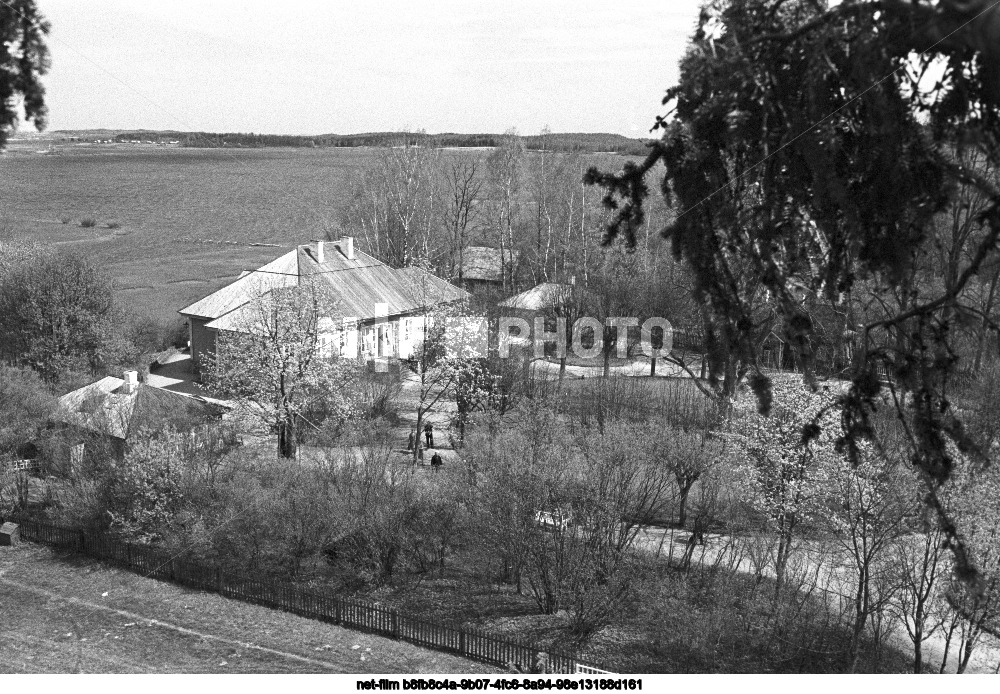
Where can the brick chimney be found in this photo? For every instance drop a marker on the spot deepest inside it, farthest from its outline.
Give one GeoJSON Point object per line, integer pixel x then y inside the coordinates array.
{"type": "Point", "coordinates": [131, 382]}
{"type": "Point", "coordinates": [320, 254]}
{"type": "Point", "coordinates": [347, 246]}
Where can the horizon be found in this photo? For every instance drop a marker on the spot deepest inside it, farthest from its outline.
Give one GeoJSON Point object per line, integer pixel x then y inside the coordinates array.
{"type": "Point", "coordinates": [329, 68]}
{"type": "Point", "coordinates": [49, 131]}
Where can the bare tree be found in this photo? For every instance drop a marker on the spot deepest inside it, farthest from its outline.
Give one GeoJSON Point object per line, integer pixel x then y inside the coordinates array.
{"type": "Point", "coordinates": [868, 503]}
{"type": "Point", "coordinates": [922, 561]}
{"type": "Point", "coordinates": [505, 179]}
{"type": "Point", "coordinates": [462, 187]}
{"type": "Point", "coordinates": [393, 201]}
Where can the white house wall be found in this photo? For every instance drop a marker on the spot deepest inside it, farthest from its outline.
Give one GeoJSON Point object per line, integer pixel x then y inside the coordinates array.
{"type": "Point", "coordinates": [405, 336]}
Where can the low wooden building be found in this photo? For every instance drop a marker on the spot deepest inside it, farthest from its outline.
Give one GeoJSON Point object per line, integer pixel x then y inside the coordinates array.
{"type": "Point", "coordinates": [103, 416]}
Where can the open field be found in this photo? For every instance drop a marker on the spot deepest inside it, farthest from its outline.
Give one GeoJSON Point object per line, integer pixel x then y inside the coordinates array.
{"type": "Point", "coordinates": [188, 216]}
{"type": "Point", "coordinates": [76, 615]}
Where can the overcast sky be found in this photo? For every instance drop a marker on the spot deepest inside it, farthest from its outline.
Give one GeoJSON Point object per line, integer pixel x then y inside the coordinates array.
{"type": "Point", "coordinates": [308, 67]}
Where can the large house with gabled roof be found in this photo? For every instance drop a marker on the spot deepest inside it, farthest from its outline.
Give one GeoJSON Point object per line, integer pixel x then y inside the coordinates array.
{"type": "Point", "coordinates": [381, 310]}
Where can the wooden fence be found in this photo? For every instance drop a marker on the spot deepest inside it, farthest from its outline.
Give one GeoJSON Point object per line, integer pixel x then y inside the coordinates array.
{"type": "Point", "coordinates": [354, 614]}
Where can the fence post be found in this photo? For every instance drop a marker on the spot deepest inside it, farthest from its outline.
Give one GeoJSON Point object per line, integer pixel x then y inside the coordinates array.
{"type": "Point", "coordinates": [395, 624]}
{"type": "Point", "coordinates": [461, 641]}
{"type": "Point", "coordinates": [218, 580]}
{"type": "Point", "coordinates": [336, 611]}
{"type": "Point", "coordinates": [81, 543]}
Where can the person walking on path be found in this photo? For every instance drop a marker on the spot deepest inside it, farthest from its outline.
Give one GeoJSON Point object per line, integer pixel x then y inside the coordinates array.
{"type": "Point", "coordinates": [411, 440]}
{"type": "Point", "coordinates": [429, 434]}
{"type": "Point", "coordinates": [436, 461]}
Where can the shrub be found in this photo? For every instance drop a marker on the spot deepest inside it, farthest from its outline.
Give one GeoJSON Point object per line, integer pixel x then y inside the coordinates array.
{"type": "Point", "coordinates": [65, 219]}
{"type": "Point", "coordinates": [114, 225]}
{"type": "Point", "coordinates": [88, 222]}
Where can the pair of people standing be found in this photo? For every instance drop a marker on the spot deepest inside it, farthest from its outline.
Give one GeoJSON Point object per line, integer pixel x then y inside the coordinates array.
{"type": "Point", "coordinates": [428, 435]}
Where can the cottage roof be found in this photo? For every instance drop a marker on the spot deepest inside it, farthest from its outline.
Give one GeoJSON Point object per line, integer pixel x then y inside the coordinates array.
{"type": "Point", "coordinates": [105, 408]}
{"type": "Point", "coordinates": [484, 263]}
{"type": "Point", "coordinates": [359, 285]}
{"type": "Point", "coordinates": [538, 298]}
{"type": "Point", "coordinates": [281, 272]}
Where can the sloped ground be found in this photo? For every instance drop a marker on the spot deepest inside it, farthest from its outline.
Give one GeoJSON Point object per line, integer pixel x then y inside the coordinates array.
{"type": "Point", "coordinates": [67, 614]}
{"type": "Point", "coordinates": [831, 571]}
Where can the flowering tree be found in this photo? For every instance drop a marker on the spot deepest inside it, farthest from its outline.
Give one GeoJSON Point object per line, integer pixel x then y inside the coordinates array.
{"type": "Point", "coordinates": [446, 343]}
{"type": "Point", "coordinates": [490, 387]}
{"type": "Point", "coordinates": [786, 473]}
{"type": "Point", "coordinates": [146, 491]}
{"type": "Point", "coordinates": [276, 366]}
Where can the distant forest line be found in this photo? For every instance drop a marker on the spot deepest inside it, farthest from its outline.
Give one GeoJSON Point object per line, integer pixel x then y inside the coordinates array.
{"type": "Point", "coordinates": [559, 142]}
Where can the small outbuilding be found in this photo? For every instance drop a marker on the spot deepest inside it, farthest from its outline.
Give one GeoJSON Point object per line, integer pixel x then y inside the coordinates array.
{"type": "Point", "coordinates": [10, 534]}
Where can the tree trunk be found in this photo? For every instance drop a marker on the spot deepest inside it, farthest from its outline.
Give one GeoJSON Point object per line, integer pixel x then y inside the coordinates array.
{"type": "Point", "coordinates": [418, 445]}
{"type": "Point", "coordinates": [288, 444]}
{"type": "Point", "coordinates": [947, 645]}
{"type": "Point", "coordinates": [860, 618]}
{"type": "Point", "coordinates": [967, 648]}
{"type": "Point", "coordinates": [682, 504]}
{"type": "Point", "coordinates": [781, 560]}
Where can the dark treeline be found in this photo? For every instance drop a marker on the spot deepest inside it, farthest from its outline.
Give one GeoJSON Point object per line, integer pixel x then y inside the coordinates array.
{"type": "Point", "coordinates": [558, 142]}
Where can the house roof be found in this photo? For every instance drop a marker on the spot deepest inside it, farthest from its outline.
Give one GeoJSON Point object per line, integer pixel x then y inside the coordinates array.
{"type": "Point", "coordinates": [281, 272]}
{"type": "Point", "coordinates": [540, 297]}
{"type": "Point", "coordinates": [104, 408]}
{"type": "Point", "coordinates": [359, 285]}
{"type": "Point", "coordinates": [483, 263]}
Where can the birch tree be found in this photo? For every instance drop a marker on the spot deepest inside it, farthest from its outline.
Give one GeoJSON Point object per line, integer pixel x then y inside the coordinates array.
{"type": "Point", "coordinates": [505, 180]}
{"type": "Point", "coordinates": [393, 203]}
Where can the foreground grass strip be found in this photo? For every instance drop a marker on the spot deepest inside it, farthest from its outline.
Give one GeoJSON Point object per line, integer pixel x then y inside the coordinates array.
{"type": "Point", "coordinates": [49, 623]}
{"type": "Point", "coordinates": [354, 614]}
{"type": "Point", "coordinates": [135, 617]}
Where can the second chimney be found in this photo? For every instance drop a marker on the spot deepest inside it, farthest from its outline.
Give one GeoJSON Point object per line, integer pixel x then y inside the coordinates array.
{"type": "Point", "coordinates": [131, 382]}
{"type": "Point", "coordinates": [347, 246]}
{"type": "Point", "coordinates": [320, 255]}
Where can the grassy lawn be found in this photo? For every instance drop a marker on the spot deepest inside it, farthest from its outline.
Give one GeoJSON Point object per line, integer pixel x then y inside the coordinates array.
{"type": "Point", "coordinates": [68, 614]}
